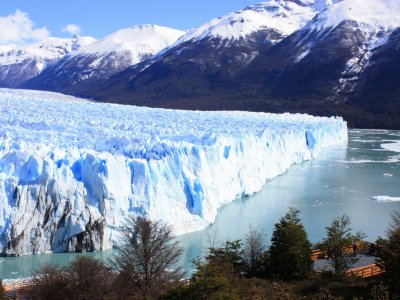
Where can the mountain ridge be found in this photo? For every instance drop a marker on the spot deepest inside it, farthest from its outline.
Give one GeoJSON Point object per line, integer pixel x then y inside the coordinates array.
{"type": "Point", "coordinates": [299, 56]}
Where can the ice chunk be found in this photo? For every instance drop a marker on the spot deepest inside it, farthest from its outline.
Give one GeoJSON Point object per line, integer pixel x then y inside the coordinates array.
{"type": "Point", "coordinates": [386, 198]}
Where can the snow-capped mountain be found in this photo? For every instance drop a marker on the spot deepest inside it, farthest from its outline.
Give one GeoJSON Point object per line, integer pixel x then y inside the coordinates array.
{"type": "Point", "coordinates": [218, 48]}
{"type": "Point", "coordinates": [72, 170]}
{"type": "Point", "coordinates": [314, 64]}
{"type": "Point", "coordinates": [378, 87]}
{"type": "Point", "coordinates": [141, 41]}
{"type": "Point", "coordinates": [284, 17]}
{"type": "Point", "coordinates": [20, 63]}
{"type": "Point", "coordinates": [325, 60]}
{"type": "Point", "coordinates": [106, 57]}
{"type": "Point", "coordinates": [373, 16]}
{"type": "Point", "coordinates": [207, 57]}
{"type": "Point", "coordinates": [279, 55]}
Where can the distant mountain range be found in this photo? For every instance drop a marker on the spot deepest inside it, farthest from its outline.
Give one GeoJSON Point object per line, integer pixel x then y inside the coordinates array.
{"type": "Point", "coordinates": [21, 63]}
{"type": "Point", "coordinates": [324, 57]}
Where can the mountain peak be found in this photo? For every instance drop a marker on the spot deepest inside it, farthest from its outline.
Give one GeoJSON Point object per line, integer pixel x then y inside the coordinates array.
{"type": "Point", "coordinates": [145, 38]}
{"type": "Point", "coordinates": [282, 16]}
{"type": "Point", "coordinates": [374, 16]}
{"type": "Point", "coordinates": [51, 48]}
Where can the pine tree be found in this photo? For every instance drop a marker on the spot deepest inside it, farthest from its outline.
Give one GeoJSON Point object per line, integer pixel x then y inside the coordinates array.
{"type": "Point", "coordinates": [290, 252]}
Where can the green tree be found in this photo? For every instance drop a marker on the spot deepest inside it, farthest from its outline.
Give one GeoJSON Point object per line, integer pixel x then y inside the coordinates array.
{"type": "Point", "coordinates": [218, 276]}
{"type": "Point", "coordinates": [290, 252]}
{"type": "Point", "coordinates": [390, 255]}
{"type": "Point", "coordinates": [146, 259]}
{"type": "Point", "coordinates": [228, 255]}
{"type": "Point", "coordinates": [339, 235]}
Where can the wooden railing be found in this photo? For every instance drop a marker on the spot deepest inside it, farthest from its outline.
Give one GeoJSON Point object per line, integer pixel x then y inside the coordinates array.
{"type": "Point", "coordinates": [366, 271]}
{"type": "Point", "coordinates": [10, 295]}
{"type": "Point", "coordinates": [13, 289]}
{"type": "Point", "coordinates": [361, 247]}
{"type": "Point", "coordinates": [16, 285]}
{"type": "Point", "coordinates": [317, 254]}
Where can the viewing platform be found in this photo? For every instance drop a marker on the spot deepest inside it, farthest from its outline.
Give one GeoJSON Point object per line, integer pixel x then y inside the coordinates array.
{"type": "Point", "coordinates": [364, 266]}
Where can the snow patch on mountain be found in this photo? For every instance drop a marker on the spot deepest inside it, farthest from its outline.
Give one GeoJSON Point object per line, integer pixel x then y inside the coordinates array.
{"type": "Point", "coordinates": [50, 49]}
{"type": "Point", "coordinates": [372, 20]}
{"type": "Point", "coordinates": [72, 170]}
{"type": "Point", "coordinates": [138, 41]}
{"type": "Point", "coordinates": [373, 16]}
{"type": "Point", "coordinates": [282, 16]}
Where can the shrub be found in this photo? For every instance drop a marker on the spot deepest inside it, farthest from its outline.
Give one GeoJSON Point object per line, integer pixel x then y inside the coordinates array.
{"type": "Point", "coordinates": [49, 282]}
{"type": "Point", "coordinates": [253, 252]}
{"type": "Point", "coordinates": [146, 259]}
{"type": "Point", "coordinates": [88, 278]}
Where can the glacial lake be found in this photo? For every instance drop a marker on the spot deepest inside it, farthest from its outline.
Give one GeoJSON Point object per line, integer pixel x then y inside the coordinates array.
{"type": "Point", "coordinates": [342, 180]}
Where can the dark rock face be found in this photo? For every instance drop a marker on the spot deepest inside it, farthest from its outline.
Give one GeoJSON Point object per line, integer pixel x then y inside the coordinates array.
{"type": "Point", "coordinates": [306, 64]}
{"type": "Point", "coordinates": [15, 74]}
{"type": "Point", "coordinates": [378, 89]}
{"type": "Point", "coordinates": [194, 69]}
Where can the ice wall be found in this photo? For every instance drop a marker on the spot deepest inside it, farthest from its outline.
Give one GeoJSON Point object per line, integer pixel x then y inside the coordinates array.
{"type": "Point", "coordinates": [72, 170]}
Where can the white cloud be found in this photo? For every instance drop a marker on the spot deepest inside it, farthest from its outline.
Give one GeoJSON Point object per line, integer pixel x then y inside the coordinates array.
{"type": "Point", "coordinates": [18, 28]}
{"type": "Point", "coordinates": [72, 29]}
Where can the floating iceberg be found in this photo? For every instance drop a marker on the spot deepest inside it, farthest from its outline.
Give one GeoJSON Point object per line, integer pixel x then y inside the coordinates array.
{"type": "Point", "coordinates": [72, 170]}
{"type": "Point", "coordinates": [385, 199]}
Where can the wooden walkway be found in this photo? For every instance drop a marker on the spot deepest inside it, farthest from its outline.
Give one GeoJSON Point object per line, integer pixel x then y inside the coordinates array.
{"type": "Point", "coordinates": [13, 289]}
{"type": "Point", "coordinates": [366, 271]}
{"type": "Point", "coordinates": [321, 254]}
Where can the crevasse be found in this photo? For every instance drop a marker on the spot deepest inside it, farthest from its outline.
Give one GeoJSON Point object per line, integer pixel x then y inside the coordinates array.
{"type": "Point", "coordinates": [72, 170]}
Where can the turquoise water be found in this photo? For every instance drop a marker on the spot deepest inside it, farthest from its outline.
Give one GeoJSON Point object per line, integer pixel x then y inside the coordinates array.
{"type": "Point", "coordinates": [342, 180]}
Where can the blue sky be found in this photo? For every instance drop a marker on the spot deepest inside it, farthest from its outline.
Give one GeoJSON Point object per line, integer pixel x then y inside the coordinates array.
{"type": "Point", "coordinates": [99, 18]}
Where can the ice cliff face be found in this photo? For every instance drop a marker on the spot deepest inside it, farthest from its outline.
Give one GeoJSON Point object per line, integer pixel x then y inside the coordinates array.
{"type": "Point", "coordinates": [72, 170]}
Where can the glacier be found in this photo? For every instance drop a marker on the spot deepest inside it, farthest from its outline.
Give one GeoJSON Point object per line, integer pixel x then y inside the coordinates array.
{"type": "Point", "coordinates": [72, 170]}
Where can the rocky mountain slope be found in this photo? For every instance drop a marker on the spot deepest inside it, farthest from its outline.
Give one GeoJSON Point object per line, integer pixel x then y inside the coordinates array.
{"type": "Point", "coordinates": [204, 61]}
{"type": "Point", "coordinates": [104, 58]}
